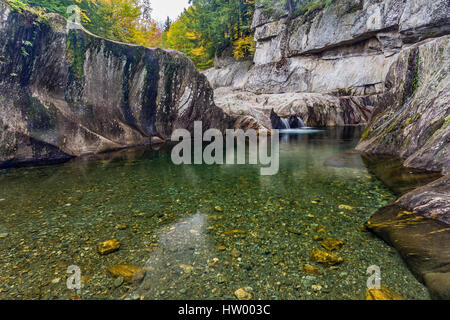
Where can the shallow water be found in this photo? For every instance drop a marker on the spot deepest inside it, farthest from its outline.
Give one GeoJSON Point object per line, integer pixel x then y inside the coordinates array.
{"type": "Point", "coordinates": [259, 239]}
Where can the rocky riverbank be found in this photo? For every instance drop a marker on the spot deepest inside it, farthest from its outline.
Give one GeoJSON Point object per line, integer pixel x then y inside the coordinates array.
{"type": "Point", "coordinates": [65, 92]}
{"type": "Point", "coordinates": [329, 65]}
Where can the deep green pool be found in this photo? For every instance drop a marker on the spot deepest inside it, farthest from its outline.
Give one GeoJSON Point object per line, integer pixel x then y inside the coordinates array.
{"type": "Point", "coordinates": [53, 217]}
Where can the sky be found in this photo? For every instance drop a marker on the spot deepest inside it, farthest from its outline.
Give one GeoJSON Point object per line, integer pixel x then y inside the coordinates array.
{"type": "Point", "coordinates": [164, 8]}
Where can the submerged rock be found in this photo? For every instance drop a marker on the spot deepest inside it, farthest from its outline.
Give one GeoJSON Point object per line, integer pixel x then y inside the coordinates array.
{"type": "Point", "coordinates": [382, 294]}
{"type": "Point", "coordinates": [235, 253]}
{"type": "Point", "coordinates": [309, 269]}
{"type": "Point", "coordinates": [422, 242]}
{"type": "Point", "coordinates": [395, 175]}
{"type": "Point", "coordinates": [241, 294]}
{"type": "Point", "coordinates": [324, 257]}
{"type": "Point", "coordinates": [108, 247]}
{"type": "Point", "coordinates": [332, 244]}
{"type": "Point", "coordinates": [127, 272]}
{"type": "Point", "coordinates": [118, 282]}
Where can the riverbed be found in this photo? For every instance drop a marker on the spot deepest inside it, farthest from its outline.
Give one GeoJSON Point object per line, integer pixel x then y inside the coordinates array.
{"type": "Point", "coordinates": [199, 231]}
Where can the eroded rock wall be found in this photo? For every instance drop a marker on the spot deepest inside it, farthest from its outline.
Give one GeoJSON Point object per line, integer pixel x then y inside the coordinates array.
{"type": "Point", "coordinates": [345, 49]}
{"type": "Point", "coordinates": [65, 92]}
{"type": "Point", "coordinates": [412, 118]}
{"type": "Point", "coordinates": [348, 45]}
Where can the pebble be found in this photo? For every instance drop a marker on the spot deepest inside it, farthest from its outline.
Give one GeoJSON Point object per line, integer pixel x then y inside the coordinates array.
{"type": "Point", "coordinates": [56, 280]}
{"type": "Point", "coordinates": [316, 287]}
{"type": "Point", "coordinates": [108, 247]}
{"type": "Point", "coordinates": [309, 269]}
{"type": "Point", "coordinates": [118, 282]}
{"type": "Point", "coordinates": [324, 257]}
{"type": "Point", "coordinates": [383, 293]}
{"type": "Point", "coordinates": [332, 244]}
{"type": "Point", "coordinates": [187, 269]}
{"type": "Point", "coordinates": [241, 294]}
{"type": "Point", "coordinates": [235, 253]}
{"type": "Point", "coordinates": [220, 278]}
{"type": "Point", "coordinates": [127, 272]}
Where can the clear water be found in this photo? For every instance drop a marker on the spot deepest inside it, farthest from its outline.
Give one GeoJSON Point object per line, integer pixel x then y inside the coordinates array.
{"type": "Point", "coordinates": [53, 217]}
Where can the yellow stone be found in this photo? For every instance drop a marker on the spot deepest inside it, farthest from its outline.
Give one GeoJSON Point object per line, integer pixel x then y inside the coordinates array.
{"type": "Point", "coordinates": [345, 207]}
{"type": "Point", "coordinates": [332, 244]}
{"type": "Point", "coordinates": [317, 238]}
{"type": "Point", "coordinates": [382, 294]}
{"type": "Point", "coordinates": [241, 294]}
{"type": "Point", "coordinates": [324, 257]}
{"type": "Point", "coordinates": [129, 273]}
{"type": "Point", "coordinates": [108, 246]}
{"type": "Point", "coordinates": [218, 208]}
{"type": "Point", "coordinates": [321, 230]}
{"type": "Point", "coordinates": [404, 213]}
{"type": "Point", "coordinates": [227, 233]}
{"type": "Point", "coordinates": [186, 268]}
{"type": "Point", "coordinates": [309, 269]}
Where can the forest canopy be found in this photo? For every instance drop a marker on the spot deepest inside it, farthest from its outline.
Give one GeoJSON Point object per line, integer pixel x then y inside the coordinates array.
{"type": "Point", "coordinates": [203, 31]}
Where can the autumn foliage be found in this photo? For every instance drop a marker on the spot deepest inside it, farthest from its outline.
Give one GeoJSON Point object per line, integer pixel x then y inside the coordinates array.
{"type": "Point", "coordinates": [205, 29]}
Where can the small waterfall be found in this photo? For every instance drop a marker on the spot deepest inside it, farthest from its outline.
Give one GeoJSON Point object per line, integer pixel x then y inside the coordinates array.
{"type": "Point", "coordinates": [285, 123]}
{"type": "Point", "coordinates": [301, 124]}
{"type": "Point", "coordinates": [292, 122]}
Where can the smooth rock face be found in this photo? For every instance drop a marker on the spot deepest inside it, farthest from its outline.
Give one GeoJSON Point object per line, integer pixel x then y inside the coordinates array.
{"type": "Point", "coordinates": [421, 241]}
{"type": "Point", "coordinates": [431, 201]}
{"type": "Point", "coordinates": [67, 92]}
{"type": "Point", "coordinates": [412, 119]}
{"type": "Point", "coordinates": [346, 49]}
{"type": "Point", "coordinates": [314, 109]}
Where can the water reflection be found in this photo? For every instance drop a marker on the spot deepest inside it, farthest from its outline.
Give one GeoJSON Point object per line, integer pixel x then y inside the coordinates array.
{"type": "Point", "coordinates": [183, 248]}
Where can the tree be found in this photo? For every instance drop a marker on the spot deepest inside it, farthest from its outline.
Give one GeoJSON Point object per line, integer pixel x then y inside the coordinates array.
{"type": "Point", "coordinates": [291, 7]}
{"type": "Point", "coordinates": [220, 23]}
{"type": "Point", "coordinates": [167, 24]}
{"type": "Point", "coordinates": [122, 20]}
{"type": "Point", "coordinates": [184, 37]}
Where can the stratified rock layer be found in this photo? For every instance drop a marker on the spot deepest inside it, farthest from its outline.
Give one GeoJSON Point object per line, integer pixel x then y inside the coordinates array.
{"type": "Point", "coordinates": [65, 92]}
{"type": "Point", "coordinates": [412, 119]}
{"type": "Point", "coordinates": [344, 49]}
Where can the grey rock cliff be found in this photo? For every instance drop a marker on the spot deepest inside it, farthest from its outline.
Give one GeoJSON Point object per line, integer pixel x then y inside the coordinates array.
{"type": "Point", "coordinates": [65, 92]}
{"type": "Point", "coordinates": [342, 50]}
{"type": "Point", "coordinates": [412, 118]}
